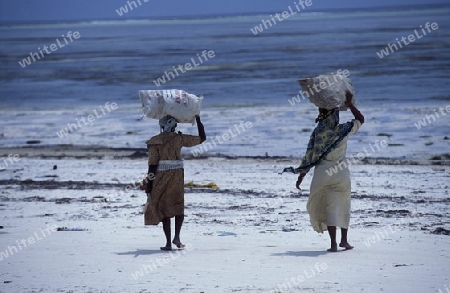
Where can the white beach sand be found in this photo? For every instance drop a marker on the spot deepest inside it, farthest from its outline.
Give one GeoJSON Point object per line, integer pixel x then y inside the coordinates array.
{"type": "Point", "coordinates": [251, 235]}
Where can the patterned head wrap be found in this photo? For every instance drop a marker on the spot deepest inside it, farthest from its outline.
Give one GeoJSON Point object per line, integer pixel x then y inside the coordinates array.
{"type": "Point", "coordinates": [324, 114]}
{"type": "Point", "coordinates": [325, 138]}
{"type": "Point", "coordinates": [167, 124]}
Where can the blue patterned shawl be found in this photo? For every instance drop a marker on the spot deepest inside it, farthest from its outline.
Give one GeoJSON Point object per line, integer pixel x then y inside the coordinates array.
{"type": "Point", "coordinates": [325, 137]}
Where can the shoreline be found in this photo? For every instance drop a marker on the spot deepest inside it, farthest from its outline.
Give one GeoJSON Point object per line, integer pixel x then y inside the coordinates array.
{"type": "Point", "coordinates": [101, 152]}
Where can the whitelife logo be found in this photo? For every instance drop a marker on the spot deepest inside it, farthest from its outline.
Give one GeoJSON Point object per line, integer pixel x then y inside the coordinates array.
{"type": "Point", "coordinates": [11, 250]}
{"type": "Point", "coordinates": [228, 135]}
{"type": "Point", "coordinates": [53, 47]}
{"type": "Point", "coordinates": [9, 161]}
{"type": "Point", "coordinates": [124, 9]}
{"type": "Point", "coordinates": [411, 38]}
{"type": "Point", "coordinates": [423, 122]}
{"type": "Point", "coordinates": [71, 127]}
{"type": "Point", "coordinates": [346, 163]}
{"type": "Point", "coordinates": [322, 85]}
{"type": "Point", "coordinates": [206, 55]}
{"type": "Point", "coordinates": [265, 24]}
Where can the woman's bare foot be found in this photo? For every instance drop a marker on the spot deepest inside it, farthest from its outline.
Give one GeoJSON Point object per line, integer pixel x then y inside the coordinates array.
{"type": "Point", "coordinates": [166, 248]}
{"type": "Point", "coordinates": [178, 243]}
{"type": "Point", "coordinates": [346, 245]}
{"type": "Point", "coordinates": [333, 248]}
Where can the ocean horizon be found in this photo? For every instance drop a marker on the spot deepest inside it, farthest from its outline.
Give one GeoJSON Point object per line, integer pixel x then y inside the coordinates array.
{"type": "Point", "coordinates": [310, 11]}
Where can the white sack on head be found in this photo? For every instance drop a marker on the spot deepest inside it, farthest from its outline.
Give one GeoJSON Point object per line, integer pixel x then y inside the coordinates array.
{"type": "Point", "coordinates": [176, 103]}
{"type": "Point", "coordinates": [328, 90]}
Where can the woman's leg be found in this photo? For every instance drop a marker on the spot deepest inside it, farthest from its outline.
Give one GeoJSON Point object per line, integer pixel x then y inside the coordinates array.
{"type": "Point", "coordinates": [178, 223]}
{"type": "Point", "coordinates": [167, 232]}
{"type": "Point", "coordinates": [344, 242]}
{"type": "Point", "coordinates": [332, 233]}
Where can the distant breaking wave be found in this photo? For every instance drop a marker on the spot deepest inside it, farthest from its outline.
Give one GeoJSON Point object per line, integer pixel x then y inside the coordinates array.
{"type": "Point", "coordinates": [233, 18]}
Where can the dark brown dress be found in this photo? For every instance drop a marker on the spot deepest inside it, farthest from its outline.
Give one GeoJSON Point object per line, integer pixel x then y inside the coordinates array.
{"type": "Point", "coordinates": [167, 197]}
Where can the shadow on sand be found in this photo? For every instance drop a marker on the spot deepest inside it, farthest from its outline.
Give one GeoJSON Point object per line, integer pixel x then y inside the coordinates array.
{"type": "Point", "coordinates": [139, 252]}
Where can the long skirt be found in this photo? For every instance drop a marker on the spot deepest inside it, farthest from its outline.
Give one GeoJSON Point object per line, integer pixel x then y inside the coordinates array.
{"type": "Point", "coordinates": [329, 199]}
{"type": "Point", "coordinates": [167, 197]}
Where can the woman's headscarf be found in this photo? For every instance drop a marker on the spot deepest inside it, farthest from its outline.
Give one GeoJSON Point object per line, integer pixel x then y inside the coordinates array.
{"type": "Point", "coordinates": [325, 137]}
{"type": "Point", "coordinates": [167, 124]}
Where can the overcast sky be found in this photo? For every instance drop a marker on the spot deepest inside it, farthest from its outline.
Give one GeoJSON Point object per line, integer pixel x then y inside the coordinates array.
{"type": "Point", "coordinates": [50, 10]}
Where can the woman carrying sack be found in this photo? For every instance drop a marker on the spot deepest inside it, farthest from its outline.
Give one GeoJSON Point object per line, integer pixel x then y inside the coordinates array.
{"type": "Point", "coordinates": [166, 190]}
{"type": "Point", "coordinates": [329, 200]}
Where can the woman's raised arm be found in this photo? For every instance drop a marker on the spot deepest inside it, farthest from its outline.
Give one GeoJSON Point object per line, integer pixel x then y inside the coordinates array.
{"type": "Point", "coordinates": [201, 129]}
{"type": "Point", "coordinates": [355, 111]}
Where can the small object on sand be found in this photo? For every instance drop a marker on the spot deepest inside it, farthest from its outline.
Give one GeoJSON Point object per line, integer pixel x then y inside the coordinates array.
{"type": "Point", "coordinates": [211, 185]}
{"type": "Point", "coordinates": [400, 265]}
{"type": "Point", "coordinates": [55, 167]}
{"type": "Point", "coordinates": [225, 233]}
{"type": "Point", "coordinates": [1, 227]}
{"type": "Point", "coordinates": [33, 141]}
{"type": "Point", "coordinates": [137, 155]}
{"type": "Point", "coordinates": [441, 231]}
{"type": "Point", "coordinates": [70, 229]}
